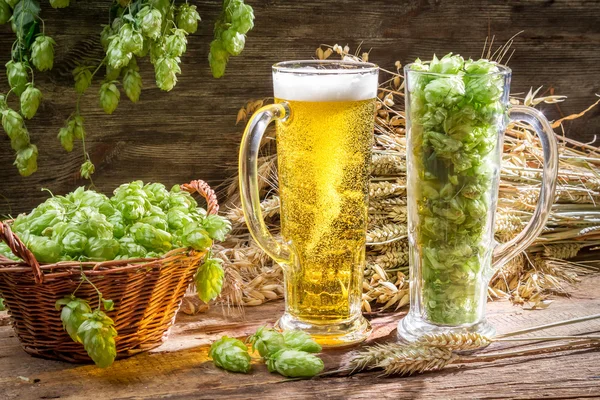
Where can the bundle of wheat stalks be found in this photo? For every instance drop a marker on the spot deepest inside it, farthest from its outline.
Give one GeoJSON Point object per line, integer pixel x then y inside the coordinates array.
{"type": "Point", "coordinates": [546, 268]}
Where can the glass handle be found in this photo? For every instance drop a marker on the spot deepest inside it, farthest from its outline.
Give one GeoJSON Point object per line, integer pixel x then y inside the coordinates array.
{"type": "Point", "coordinates": [248, 175]}
{"type": "Point", "coordinates": [505, 251]}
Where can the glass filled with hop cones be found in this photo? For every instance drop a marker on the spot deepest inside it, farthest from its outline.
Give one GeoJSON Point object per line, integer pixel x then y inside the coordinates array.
{"type": "Point", "coordinates": [324, 116]}
{"type": "Point", "coordinates": [456, 113]}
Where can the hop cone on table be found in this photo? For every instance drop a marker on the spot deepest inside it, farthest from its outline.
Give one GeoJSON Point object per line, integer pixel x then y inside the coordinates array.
{"type": "Point", "coordinates": [230, 354]}
{"type": "Point", "coordinates": [295, 364]}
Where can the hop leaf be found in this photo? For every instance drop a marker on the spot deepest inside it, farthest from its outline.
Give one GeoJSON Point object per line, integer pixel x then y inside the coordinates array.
{"type": "Point", "coordinates": [150, 20]}
{"type": "Point", "coordinates": [295, 364]}
{"type": "Point", "coordinates": [26, 161]}
{"type": "Point", "coordinates": [166, 70]}
{"type": "Point", "coordinates": [98, 334]}
{"type": "Point", "coordinates": [17, 76]}
{"type": "Point", "coordinates": [30, 101]}
{"type": "Point", "coordinates": [187, 18]}
{"type": "Point", "coordinates": [14, 126]}
{"type": "Point", "coordinates": [87, 169]}
{"type": "Point", "coordinates": [132, 83]}
{"type": "Point", "coordinates": [233, 41]}
{"type": "Point", "coordinates": [230, 354]}
{"type": "Point", "coordinates": [108, 305]}
{"type": "Point", "coordinates": [83, 78]}
{"type": "Point", "coordinates": [105, 36]}
{"type": "Point", "coordinates": [59, 3]}
{"type": "Point", "coordinates": [73, 314]}
{"type": "Point", "coordinates": [109, 97]}
{"type": "Point", "coordinates": [5, 12]}
{"type": "Point", "coordinates": [209, 279]}
{"type": "Point", "coordinates": [42, 52]}
{"type": "Point", "coordinates": [176, 44]}
{"type": "Point", "coordinates": [218, 58]}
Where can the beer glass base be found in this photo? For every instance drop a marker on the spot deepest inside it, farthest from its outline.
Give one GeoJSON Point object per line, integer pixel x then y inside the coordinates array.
{"type": "Point", "coordinates": [411, 328]}
{"type": "Point", "coordinates": [330, 335]}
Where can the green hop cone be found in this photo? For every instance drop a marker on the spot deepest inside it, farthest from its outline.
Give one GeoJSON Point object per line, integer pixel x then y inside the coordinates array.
{"type": "Point", "coordinates": [176, 44]}
{"type": "Point", "coordinates": [243, 19]}
{"type": "Point", "coordinates": [59, 3]}
{"type": "Point", "coordinates": [42, 52]}
{"type": "Point", "coordinates": [218, 58]}
{"type": "Point", "coordinates": [72, 314]}
{"type": "Point", "coordinates": [150, 20]}
{"type": "Point", "coordinates": [109, 97]}
{"type": "Point", "coordinates": [131, 39]}
{"type": "Point", "coordinates": [217, 227]}
{"type": "Point", "coordinates": [187, 18]}
{"type": "Point", "coordinates": [5, 12]}
{"type": "Point", "coordinates": [77, 127]}
{"type": "Point", "coordinates": [151, 238]}
{"type": "Point", "coordinates": [14, 126]}
{"type": "Point", "coordinates": [30, 101]}
{"type": "Point", "coordinates": [132, 83]}
{"type": "Point", "coordinates": [230, 354]}
{"type": "Point", "coordinates": [209, 279]}
{"type": "Point", "coordinates": [300, 340]}
{"type": "Point", "coordinates": [295, 364]}
{"type": "Point", "coordinates": [116, 54]}
{"type": "Point", "coordinates": [83, 78]}
{"type": "Point", "coordinates": [101, 249]}
{"type": "Point", "coordinates": [17, 76]}
{"type": "Point", "coordinates": [105, 36]}
{"type": "Point", "coordinates": [166, 70]}
{"type": "Point", "coordinates": [267, 342]}
{"type": "Point", "coordinates": [87, 169]}
{"type": "Point", "coordinates": [195, 236]}
{"type": "Point", "coordinates": [98, 334]}
{"type": "Point", "coordinates": [45, 250]}
{"type": "Point", "coordinates": [233, 41]}
{"type": "Point", "coordinates": [65, 135]}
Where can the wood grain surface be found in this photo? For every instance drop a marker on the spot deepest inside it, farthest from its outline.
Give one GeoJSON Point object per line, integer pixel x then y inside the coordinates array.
{"type": "Point", "coordinates": [180, 369]}
{"type": "Point", "coordinates": [190, 132]}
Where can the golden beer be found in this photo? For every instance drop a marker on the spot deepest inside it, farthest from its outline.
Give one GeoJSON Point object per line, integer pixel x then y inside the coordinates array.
{"type": "Point", "coordinates": [324, 113]}
{"type": "Point", "coordinates": [324, 150]}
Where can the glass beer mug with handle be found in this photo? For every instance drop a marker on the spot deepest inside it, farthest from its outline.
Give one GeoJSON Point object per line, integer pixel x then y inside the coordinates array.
{"type": "Point", "coordinates": [324, 113]}
{"type": "Point", "coordinates": [455, 124]}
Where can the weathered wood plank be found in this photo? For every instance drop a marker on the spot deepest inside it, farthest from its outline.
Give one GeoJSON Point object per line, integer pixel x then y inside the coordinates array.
{"type": "Point", "coordinates": [180, 369]}
{"type": "Point", "coordinates": [190, 132]}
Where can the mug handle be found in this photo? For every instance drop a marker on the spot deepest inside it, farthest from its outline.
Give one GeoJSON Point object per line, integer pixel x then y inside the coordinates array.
{"type": "Point", "coordinates": [505, 251]}
{"type": "Point", "coordinates": [248, 176]}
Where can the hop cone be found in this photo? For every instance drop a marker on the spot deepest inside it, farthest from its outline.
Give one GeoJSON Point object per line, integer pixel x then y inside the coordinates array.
{"type": "Point", "coordinates": [117, 56]}
{"type": "Point", "coordinates": [131, 39]}
{"type": "Point", "coordinates": [217, 58]}
{"type": "Point", "coordinates": [83, 78]}
{"type": "Point", "coordinates": [105, 35]}
{"type": "Point", "coordinates": [17, 76]}
{"type": "Point", "coordinates": [72, 314]}
{"type": "Point", "coordinates": [42, 52]}
{"type": "Point", "coordinates": [267, 342]}
{"type": "Point", "coordinates": [14, 126]}
{"type": "Point", "coordinates": [65, 135]}
{"type": "Point", "coordinates": [300, 340]}
{"type": "Point", "coordinates": [233, 41]}
{"type": "Point", "coordinates": [109, 97]}
{"type": "Point", "coordinates": [59, 3]}
{"type": "Point", "coordinates": [150, 20]}
{"type": "Point", "coordinates": [176, 44]}
{"type": "Point", "coordinates": [243, 19]}
{"type": "Point", "coordinates": [187, 18]}
{"type": "Point", "coordinates": [5, 12]}
{"type": "Point", "coordinates": [97, 334]}
{"type": "Point", "coordinates": [230, 354]}
{"type": "Point", "coordinates": [166, 70]}
{"type": "Point", "coordinates": [30, 101]}
{"type": "Point", "coordinates": [209, 279]}
{"type": "Point", "coordinates": [26, 160]}
{"type": "Point", "coordinates": [295, 364]}
{"type": "Point", "coordinates": [78, 130]}
{"type": "Point", "coordinates": [132, 83]}
{"type": "Point", "coordinates": [87, 169]}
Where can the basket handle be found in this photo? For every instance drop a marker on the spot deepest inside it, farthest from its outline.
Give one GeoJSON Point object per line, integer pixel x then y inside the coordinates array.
{"type": "Point", "coordinates": [204, 190]}
{"type": "Point", "coordinates": [20, 250]}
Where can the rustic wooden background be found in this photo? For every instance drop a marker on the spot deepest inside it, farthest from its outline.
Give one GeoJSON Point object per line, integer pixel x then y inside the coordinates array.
{"type": "Point", "coordinates": [190, 132]}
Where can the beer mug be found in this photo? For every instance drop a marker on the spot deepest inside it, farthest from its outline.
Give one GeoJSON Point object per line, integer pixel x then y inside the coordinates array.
{"type": "Point", "coordinates": [455, 131]}
{"type": "Point", "coordinates": [324, 114]}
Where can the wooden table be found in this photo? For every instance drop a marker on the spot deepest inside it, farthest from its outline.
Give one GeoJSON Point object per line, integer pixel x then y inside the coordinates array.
{"type": "Point", "coordinates": [180, 368]}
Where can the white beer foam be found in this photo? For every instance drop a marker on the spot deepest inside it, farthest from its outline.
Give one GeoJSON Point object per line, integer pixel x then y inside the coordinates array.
{"type": "Point", "coordinates": [335, 85]}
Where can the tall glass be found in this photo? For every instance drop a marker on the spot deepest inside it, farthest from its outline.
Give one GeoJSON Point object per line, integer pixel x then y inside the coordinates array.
{"type": "Point", "coordinates": [456, 127]}
{"type": "Point", "coordinates": [324, 113]}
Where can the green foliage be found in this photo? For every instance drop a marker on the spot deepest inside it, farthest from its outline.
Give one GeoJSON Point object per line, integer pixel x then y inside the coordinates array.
{"type": "Point", "coordinates": [231, 28]}
{"type": "Point", "coordinates": [230, 354]}
{"type": "Point", "coordinates": [456, 114]}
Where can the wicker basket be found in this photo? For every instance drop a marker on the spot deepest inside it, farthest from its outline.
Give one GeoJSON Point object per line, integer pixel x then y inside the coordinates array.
{"type": "Point", "coordinates": [146, 292]}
